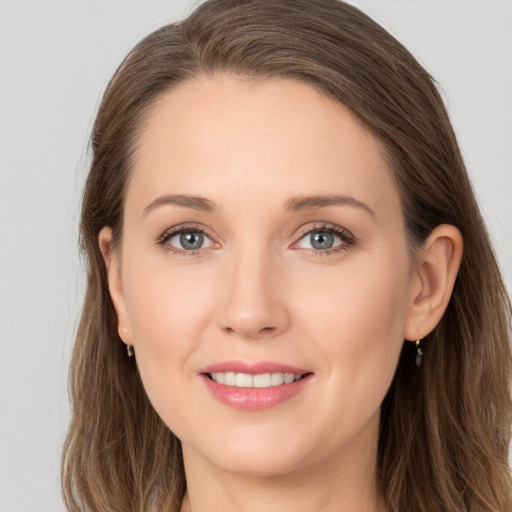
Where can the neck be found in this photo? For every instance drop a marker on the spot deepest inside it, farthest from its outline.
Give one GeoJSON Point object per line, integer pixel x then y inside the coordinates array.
{"type": "Point", "coordinates": [346, 481]}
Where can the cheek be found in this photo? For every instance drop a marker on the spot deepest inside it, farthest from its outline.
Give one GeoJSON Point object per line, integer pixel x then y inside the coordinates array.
{"type": "Point", "coordinates": [365, 294]}
{"type": "Point", "coordinates": [165, 303]}
{"type": "Point", "coordinates": [168, 309]}
{"type": "Point", "coordinates": [357, 322]}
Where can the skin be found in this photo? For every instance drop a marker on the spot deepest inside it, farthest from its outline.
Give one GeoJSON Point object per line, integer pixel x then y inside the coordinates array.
{"type": "Point", "coordinates": [257, 291]}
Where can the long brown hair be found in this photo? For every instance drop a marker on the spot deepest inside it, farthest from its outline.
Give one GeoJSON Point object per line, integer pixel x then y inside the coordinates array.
{"type": "Point", "coordinates": [445, 427]}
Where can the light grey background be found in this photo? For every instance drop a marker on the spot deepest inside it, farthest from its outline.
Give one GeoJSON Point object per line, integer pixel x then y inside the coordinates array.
{"type": "Point", "coordinates": [55, 60]}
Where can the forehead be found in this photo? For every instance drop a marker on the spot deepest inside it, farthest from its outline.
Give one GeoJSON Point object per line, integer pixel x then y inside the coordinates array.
{"type": "Point", "coordinates": [228, 138]}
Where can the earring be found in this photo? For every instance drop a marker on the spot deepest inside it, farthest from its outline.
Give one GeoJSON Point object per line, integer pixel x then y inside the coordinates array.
{"type": "Point", "coordinates": [129, 351]}
{"type": "Point", "coordinates": [419, 353]}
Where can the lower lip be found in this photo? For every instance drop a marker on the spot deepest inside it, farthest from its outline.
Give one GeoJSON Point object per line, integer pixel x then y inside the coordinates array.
{"type": "Point", "coordinates": [255, 399]}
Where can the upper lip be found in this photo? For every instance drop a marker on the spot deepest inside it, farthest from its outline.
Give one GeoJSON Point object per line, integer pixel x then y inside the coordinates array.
{"type": "Point", "coordinates": [253, 368]}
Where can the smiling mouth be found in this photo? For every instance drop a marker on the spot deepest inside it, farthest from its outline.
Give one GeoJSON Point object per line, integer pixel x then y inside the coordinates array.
{"type": "Point", "coordinates": [262, 380]}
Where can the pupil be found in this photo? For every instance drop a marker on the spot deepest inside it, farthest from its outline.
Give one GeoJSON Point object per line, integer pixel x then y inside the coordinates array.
{"type": "Point", "coordinates": [191, 240]}
{"type": "Point", "coordinates": [322, 240]}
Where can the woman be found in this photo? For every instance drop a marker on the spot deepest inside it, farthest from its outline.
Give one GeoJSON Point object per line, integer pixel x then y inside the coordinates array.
{"type": "Point", "coordinates": [276, 202]}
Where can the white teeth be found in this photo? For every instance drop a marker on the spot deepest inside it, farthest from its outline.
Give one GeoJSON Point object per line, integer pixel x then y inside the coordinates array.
{"type": "Point", "coordinates": [229, 379]}
{"type": "Point", "coordinates": [277, 379]}
{"type": "Point", "coordinates": [243, 380]}
{"type": "Point", "coordinates": [262, 380]}
{"type": "Point", "coordinates": [289, 378]}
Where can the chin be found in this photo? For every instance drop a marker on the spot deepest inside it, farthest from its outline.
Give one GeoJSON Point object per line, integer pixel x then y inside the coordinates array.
{"type": "Point", "coordinates": [258, 464]}
{"type": "Point", "coordinates": [266, 453]}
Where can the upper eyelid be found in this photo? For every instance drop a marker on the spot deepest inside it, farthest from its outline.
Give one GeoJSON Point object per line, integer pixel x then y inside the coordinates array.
{"type": "Point", "coordinates": [326, 226]}
{"type": "Point", "coordinates": [300, 233]}
{"type": "Point", "coordinates": [183, 228]}
{"type": "Point", "coordinates": [163, 240]}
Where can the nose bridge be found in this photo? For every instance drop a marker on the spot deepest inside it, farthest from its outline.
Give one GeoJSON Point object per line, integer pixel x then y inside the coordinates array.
{"type": "Point", "coordinates": [253, 304]}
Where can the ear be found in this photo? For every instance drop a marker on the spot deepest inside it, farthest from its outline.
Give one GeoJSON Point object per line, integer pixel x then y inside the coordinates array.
{"type": "Point", "coordinates": [433, 281]}
{"type": "Point", "coordinates": [115, 284]}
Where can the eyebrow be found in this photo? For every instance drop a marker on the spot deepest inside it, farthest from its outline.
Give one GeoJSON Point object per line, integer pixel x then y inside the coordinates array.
{"type": "Point", "coordinates": [322, 201]}
{"type": "Point", "coordinates": [294, 204]}
{"type": "Point", "coordinates": [196, 203]}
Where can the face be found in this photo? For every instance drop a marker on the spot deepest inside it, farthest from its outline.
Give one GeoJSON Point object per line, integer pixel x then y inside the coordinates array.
{"type": "Point", "coordinates": [263, 243]}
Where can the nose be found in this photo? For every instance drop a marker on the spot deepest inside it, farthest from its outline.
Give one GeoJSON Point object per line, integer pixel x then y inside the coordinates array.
{"type": "Point", "coordinates": [253, 303]}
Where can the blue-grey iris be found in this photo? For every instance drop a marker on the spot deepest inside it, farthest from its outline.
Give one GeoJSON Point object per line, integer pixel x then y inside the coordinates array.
{"type": "Point", "coordinates": [322, 240]}
{"type": "Point", "coordinates": [191, 240]}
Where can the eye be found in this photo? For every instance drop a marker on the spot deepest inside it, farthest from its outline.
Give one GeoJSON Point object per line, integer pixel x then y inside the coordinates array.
{"type": "Point", "coordinates": [188, 240]}
{"type": "Point", "coordinates": [321, 240]}
{"type": "Point", "coordinates": [325, 239]}
{"type": "Point", "coordinates": [185, 240]}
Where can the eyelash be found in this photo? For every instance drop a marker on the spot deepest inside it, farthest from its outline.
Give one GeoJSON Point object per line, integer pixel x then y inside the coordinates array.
{"type": "Point", "coordinates": [163, 240]}
{"type": "Point", "coordinates": [347, 238]}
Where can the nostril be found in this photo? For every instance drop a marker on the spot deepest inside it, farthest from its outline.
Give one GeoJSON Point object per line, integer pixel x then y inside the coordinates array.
{"type": "Point", "coordinates": [248, 329]}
